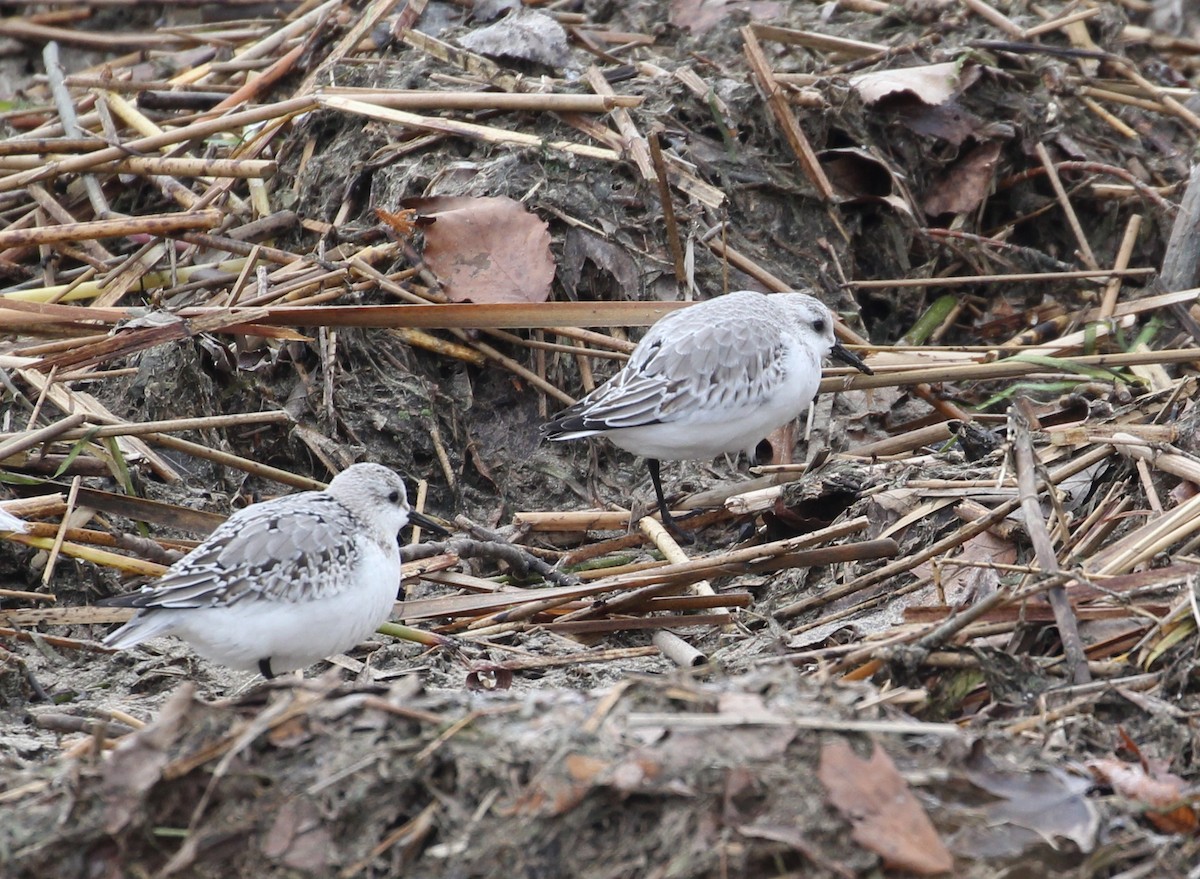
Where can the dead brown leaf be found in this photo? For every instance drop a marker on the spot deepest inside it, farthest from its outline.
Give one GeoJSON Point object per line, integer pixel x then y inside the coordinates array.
{"type": "Point", "coordinates": [886, 817]}
{"type": "Point", "coordinates": [856, 175]}
{"type": "Point", "coordinates": [489, 676]}
{"type": "Point", "coordinates": [1161, 791]}
{"type": "Point", "coordinates": [966, 183]}
{"type": "Point", "coordinates": [592, 261]}
{"type": "Point", "coordinates": [1035, 807]}
{"type": "Point", "coordinates": [700, 16]}
{"type": "Point", "coordinates": [583, 768]}
{"type": "Point", "coordinates": [929, 83]}
{"type": "Point", "coordinates": [487, 249]}
{"type": "Point", "coordinates": [299, 839]}
{"type": "Point", "coordinates": [559, 788]}
{"type": "Point", "coordinates": [965, 582]}
{"type": "Point", "coordinates": [290, 733]}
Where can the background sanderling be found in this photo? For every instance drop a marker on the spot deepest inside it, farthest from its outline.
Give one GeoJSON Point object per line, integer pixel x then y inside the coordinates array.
{"type": "Point", "coordinates": [713, 378]}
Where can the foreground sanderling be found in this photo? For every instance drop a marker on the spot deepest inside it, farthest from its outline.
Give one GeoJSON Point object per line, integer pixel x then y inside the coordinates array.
{"type": "Point", "coordinates": [285, 583]}
{"type": "Point", "coordinates": [712, 378]}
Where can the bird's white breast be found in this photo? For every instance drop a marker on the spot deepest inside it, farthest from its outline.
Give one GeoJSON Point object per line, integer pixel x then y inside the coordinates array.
{"type": "Point", "coordinates": [706, 423]}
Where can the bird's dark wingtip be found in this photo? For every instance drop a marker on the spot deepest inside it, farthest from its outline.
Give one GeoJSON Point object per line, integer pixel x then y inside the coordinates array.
{"type": "Point", "coordinates": [566, 422]}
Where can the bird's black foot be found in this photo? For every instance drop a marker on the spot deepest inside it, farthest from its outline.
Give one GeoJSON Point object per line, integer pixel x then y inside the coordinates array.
{"type": "Point", "coordinates": [671, 523]}
{"type": "Point", "coordinates": [264, 668]}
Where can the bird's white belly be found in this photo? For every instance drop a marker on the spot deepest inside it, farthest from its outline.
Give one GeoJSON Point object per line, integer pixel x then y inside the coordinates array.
{"type": "Point", "coordinates": [293, 634]}
{"type": "Point", "coordinates": [706, 430]}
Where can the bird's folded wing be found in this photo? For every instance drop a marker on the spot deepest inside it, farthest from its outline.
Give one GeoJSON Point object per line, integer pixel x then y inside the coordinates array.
{"type": "Point", "coordinates": [280, 552]}
{"type": "Point", "coordinates": [680, 375]}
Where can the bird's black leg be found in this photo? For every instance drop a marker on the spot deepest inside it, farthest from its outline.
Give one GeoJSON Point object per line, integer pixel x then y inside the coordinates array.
{"type": "Point", "coordinates": [264, 668]}
{"type": "Point", "coordinates": [667, 519]}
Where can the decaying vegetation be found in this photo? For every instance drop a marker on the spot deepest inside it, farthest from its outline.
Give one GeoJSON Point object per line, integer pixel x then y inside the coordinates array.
{"type": "Point", "coordinates": [243, 246]}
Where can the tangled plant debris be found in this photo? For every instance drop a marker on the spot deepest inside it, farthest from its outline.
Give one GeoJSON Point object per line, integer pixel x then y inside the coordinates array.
{"type": "Point", "coordinates": [948, 626]}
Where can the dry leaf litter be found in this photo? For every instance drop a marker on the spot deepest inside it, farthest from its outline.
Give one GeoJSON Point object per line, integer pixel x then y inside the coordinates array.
{"type": "Point", "coordinates": [954, 633]}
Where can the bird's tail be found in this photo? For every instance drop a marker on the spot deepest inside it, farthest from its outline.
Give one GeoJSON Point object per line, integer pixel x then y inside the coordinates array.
{"type": "Point", "coordinates": [142, 627]}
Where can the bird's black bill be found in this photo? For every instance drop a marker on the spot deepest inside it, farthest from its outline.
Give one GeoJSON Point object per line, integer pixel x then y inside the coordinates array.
{"type": "Point", "coordinates": [415, 518]}
{"type": "Point", "coordinates": [844, 354]}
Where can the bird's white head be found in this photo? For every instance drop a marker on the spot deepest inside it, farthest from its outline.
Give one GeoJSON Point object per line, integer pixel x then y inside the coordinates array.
{"type": "Point", "coordinates": [809, 318]}
{"type": "Point", "coordinates": [375, 495]}
{"type": "Point", "coordinates": [812, 322]}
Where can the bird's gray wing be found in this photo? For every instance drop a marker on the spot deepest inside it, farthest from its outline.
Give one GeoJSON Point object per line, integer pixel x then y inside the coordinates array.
{"type": "Point", "coordinates": [300, 545]}
{"type": "Point", "coordinates": [682, 367]}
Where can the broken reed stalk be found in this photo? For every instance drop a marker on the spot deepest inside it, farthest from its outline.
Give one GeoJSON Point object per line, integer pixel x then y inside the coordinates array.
{"type": "Point", "coordinates": [782, 111]}
{"type": "Point", "coordinates": [1056, 23]}
{"type": "Point", "coordinates": [1085, 249]}
{"type": "Point", "coordinates": [819, 41]}
{"type": "Point", "coordinates": [153, 427]}
{"type": "Point", "coordinates": [1010, 368]}
{"type": "Point", "coordinates": [405, 99]}
{"type": "Point", "coordinates": [793, 550]}
{"type": "Point", "coordinates": [1018, 277]}
{"type": "Point", "coordinates": [1143, 543]}
{"type": "Point", "coordinates": [169, 166]}
{"type": "Point", "coordinates": [672, 552]}
{"type": "Point", "coordinates": [864, 551]}
{"type": "Point", "coordinates": [649, 605]}
{"type": "Point", "coordinates": [103, 558]}
{"type": "Point", "coordinates": [1043, 546]}
{"type": "Point", "coordinates": [195, 131]}
{"type": "Point", "coordinates": [63, 293]}
{"type": "Point", "coordinates": [592, 520]}
{"type": "Point", "coordinates": [956, 538]}
{"type": "Point", "coordinates": [1112, 290]}
{"type": "Point", "coordinates": [572, 659]}
{"type": "Point", "coordinates": [26, 440]}
{"type": "Point", "coordinates": [1174, 107]}
{"type": "Point", "coordinates": [634, 145]}
{"type": "Point", "coordinates": [678, 651]}
{"type": "Point", "coordinates": [105, 538]}
{"type": "Point", "coordinates": [1162, 457]}
{"type": "Point", "coordinates": [53, 640]}
{"type": "Point", "coordinates": [606, 626]}
{"type": "Point", "coordinates": [61, 533]}
{"type": "Point", "coordinates": [668, 207]}
{"type": "Point", "coordinates": [154, 225]}
{"type": "Point", "coordinates": [474, 131]}
{"type": "Point", "coordinates": [21, 595]}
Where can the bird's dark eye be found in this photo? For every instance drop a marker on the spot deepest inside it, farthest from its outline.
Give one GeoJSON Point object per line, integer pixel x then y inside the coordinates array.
{"type": "Point", "coordinates": [394, 497]}
{"type": "Point", "coordinates": [819, 325]}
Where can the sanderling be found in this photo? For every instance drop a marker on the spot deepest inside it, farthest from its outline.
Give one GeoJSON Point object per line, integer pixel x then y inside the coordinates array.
{"type": "Point", "coordinates": [712, 378]}
{"type": "Point", "coordinates": [284, 583]}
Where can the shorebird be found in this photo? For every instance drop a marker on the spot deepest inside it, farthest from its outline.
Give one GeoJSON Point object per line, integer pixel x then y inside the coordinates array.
{"type": "Point", "coordinates": [712, 378]}
{"type": "Point", "coordinates": [284, 583]}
